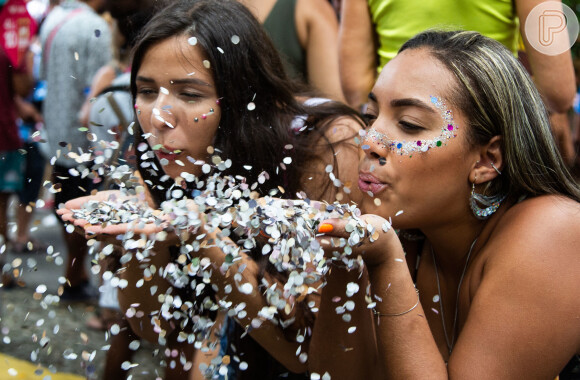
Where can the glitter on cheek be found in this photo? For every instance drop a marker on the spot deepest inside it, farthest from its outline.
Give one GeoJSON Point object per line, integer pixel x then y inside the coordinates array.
{"type": "Point", "coordinates": [407, 148]}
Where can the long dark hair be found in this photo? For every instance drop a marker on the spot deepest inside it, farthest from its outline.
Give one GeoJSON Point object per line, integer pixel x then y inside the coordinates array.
{"type": "Point", "coordinates": [246, 69]}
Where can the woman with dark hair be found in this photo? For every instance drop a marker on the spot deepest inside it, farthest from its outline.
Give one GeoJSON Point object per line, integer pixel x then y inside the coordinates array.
{"type": "Point", "coordinates": [210, 88]}
{"type": "Point", "coordinates": [458, 149]}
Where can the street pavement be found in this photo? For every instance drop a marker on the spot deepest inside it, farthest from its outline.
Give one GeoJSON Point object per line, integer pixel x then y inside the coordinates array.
{"type": "Point", "coordinates": [54, 335]}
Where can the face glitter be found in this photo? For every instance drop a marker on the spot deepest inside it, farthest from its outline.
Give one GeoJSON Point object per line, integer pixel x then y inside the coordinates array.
{"type": "Point", "coordinates": [409, 147]}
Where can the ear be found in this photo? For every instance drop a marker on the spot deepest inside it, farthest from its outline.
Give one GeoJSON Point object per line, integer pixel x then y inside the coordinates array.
{"type": "Point", "coordinates": [490, 155]}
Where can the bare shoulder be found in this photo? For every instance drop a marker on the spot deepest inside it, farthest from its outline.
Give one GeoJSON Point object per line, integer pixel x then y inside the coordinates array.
{"type": "Point", "coordinates": [524, 293]}
{"type": "Point", "coordinates": [537, 241]}
{"type": "Point", "coordinates": [556, 217]}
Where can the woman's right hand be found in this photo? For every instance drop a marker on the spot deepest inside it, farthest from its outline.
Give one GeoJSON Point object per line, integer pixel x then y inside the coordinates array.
{"type": "Point", "coordinates": [106, 231]}
{"type": "Point", "coordinates": [374, 248]}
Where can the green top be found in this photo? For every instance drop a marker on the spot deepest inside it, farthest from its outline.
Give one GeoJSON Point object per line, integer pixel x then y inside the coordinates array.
{"type": "Point", "coordinates": [281, 27]}
{"type": "Point", "coordinates": [396, 21]}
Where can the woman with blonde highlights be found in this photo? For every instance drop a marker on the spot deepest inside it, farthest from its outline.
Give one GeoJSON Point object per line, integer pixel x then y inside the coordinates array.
{"type": "Point", "coordinates": [458, 150]}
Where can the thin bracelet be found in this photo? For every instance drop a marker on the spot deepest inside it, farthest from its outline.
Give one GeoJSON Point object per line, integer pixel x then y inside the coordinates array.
{"type": "Point", "coordinates": [375, 312]}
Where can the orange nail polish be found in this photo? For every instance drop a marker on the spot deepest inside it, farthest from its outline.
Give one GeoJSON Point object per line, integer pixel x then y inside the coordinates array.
{"type": "Point", "coordinates": [325, 227]}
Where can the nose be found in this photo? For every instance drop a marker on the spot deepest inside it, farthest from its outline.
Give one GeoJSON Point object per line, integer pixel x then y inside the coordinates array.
{"type": "Point", "coordinates": [162, 115]}
{"type": "Point", "coordinates": [376, 146]}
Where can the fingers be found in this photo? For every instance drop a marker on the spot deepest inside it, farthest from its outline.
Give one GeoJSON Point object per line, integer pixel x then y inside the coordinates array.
{"type": "Point", "coordinates": [76, 203]}
{"type": "Point", "coordinates": [333, 227]}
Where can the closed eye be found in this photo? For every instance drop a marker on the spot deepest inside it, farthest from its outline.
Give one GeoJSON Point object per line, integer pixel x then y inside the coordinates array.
{"type": "Point", "coordinates": [146, 91]}
{"type": "Point", "coordinates": [410, 127]}
{"type": "Point", "coordinates": [192, 95]}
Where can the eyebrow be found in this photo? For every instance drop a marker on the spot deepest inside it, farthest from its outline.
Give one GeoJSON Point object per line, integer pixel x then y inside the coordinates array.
{"type": "Point", "coordinates": [175, 81]}
{"type": "Point", "coordinates": [405, 102]}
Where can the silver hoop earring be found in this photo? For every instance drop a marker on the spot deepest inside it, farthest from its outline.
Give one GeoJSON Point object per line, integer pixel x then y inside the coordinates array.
{"type": "Point", "coordinates": [496, 169]}
{"type": "Point", "coordinates": [491, 204]}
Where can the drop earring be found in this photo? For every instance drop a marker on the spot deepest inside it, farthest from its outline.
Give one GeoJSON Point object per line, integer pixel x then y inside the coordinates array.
{"type": "Point", "coordinates": [490, 203]}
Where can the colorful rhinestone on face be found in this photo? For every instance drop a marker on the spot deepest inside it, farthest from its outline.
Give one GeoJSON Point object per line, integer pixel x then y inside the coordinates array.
{"type": "Point", "coordinates": [409, 147]}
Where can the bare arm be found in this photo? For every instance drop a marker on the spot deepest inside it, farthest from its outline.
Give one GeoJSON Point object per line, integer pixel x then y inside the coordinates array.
{"type": "Point", "coordinates": [522, 302]}
{"type": "Point", "coordinates": [146, 288]}
{"type": "Point", "coordinates": [318, 32]}
{"type": "Point", "coordinates": [553, 75]}
{"type": "Point", "coordinates": [357, 52]}
{"type": "Point", "coordinates": [345, 344]}
{"type": "Point", "coordinates": [22, 80]}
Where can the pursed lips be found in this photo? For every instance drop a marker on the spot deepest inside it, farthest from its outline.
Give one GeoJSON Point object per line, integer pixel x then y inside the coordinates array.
{"type": "Point", "coordinates": [368, 182]}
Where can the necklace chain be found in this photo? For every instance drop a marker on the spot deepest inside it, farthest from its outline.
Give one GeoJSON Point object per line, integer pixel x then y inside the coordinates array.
{"type": "Point", "coordinates": [451, 342]}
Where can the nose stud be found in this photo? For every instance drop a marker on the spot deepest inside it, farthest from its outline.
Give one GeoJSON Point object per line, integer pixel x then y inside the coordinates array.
{"type": "Point", "coordinates": [382, 161]}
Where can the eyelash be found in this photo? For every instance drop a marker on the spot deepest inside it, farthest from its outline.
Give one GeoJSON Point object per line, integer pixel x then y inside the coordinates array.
{"type": "Point", "coordinates": [149, 91]}
{"type": "Point", "coordinates": [190, 95]}
{"type": "Point", "coordinates": [409, 127]}
{"type": "Point", "coordinates": [145, 91]}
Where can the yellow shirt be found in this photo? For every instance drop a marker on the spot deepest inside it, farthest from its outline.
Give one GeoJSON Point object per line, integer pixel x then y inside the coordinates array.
{"type": "Point", "coordinates": [396, 21]}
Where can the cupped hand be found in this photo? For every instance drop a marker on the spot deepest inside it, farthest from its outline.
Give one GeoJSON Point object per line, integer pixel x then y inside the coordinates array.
{"type": "Point", "coordinates": [374, 245]}
{"type": "Point", "coordinates": [106, 231]}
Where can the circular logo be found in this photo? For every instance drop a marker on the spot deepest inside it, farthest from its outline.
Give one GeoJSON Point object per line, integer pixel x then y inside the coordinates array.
{"type": "Point", "coordinates": [551, 27]}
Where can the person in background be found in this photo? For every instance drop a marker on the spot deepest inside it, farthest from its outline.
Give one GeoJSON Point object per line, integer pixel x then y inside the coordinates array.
{"type": "Point", "coordinates": [477, 276]}
{"type": "Point", "coordinates": [75, 44]}
{"type": "Point", "coordinates": [30, 122]}
{"type": "Point", "coordinates": [16, 81]}
{"type": "Point", "coordinates": [372, 31]}
{"type": "Point", "coordinates": [305, 32]}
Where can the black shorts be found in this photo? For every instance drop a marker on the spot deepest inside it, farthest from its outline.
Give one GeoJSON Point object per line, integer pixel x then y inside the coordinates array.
{"type": "Point", "coordinates": [33, 174]}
